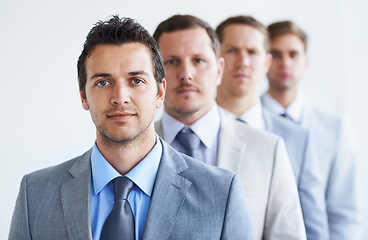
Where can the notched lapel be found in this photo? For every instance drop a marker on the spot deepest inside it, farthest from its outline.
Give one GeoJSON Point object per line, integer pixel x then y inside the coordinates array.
{"type": "Point", "coordinates": [168, 195]}
{"type": "Point", "coordinates": [75, 199]}
{"type": "Point", "coordinates": [231, 146]}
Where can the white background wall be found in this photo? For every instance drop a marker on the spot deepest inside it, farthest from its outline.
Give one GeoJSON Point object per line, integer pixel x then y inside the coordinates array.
{"type": "Point", "coordinates": [41, 118]}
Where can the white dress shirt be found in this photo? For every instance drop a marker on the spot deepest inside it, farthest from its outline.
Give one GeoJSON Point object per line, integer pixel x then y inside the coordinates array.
{"type": "Point", "coordinates": [206, 128]}
{"type": "Point", "coordinates": [253, 116]}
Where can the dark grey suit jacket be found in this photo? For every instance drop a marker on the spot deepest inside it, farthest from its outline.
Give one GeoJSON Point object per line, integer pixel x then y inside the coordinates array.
{"type": "Point", "coordinates": [190, 200]}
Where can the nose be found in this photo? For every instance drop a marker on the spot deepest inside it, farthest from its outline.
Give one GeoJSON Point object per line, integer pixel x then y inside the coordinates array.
{"type": "Point", "coordinates": [285, 61]}
{"type": "Point", "coordinates": [120, 94]}
{"type": "Point", "coordinates": [186, 72]}
{"type": "Point", "coordinates": [243, 58]}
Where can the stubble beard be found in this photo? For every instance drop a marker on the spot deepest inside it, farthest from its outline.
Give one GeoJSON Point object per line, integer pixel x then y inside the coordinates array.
{"type": "Point", "coordinates": [123, 140]}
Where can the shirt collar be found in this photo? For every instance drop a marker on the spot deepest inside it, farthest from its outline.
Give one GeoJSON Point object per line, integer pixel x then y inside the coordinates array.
{"type": "Point", "coordinates": [206, 128]}
{"type": "Point", "coordinates": [143, 175]}
{"type": "Point", "coordinates": [254, 116]}
{"type": "Point", "coordinates": [294, 110]}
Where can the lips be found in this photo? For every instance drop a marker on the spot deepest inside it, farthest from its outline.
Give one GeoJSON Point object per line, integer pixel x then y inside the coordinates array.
{"type": "Point", "coordinates": [121, 116]}
{"type": "Point", "coordinates": [241, 76]}
{"type": "Point", "coordinates": [284, 74]}
{"type": "Point", "coordinates": [185, 90]}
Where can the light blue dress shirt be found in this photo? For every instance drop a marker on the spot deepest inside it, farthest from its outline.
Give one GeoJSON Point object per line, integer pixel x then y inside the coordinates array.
{"type": "Point", "coordinates": [206, 128]}
{"type": "Point", "coordinates": [294, 110]}
{"type": "Point", "coordinates": [102, 190]}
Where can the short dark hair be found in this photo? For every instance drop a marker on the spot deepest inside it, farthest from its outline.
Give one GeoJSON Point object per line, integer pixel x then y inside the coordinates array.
{"type": "Point", "coordinates": [287, 27]}
{"type": "Point", "coordinates": [183, 22]}
{"type": "Point", "coordinates": [246, 20]}
{"type": "Point", "coordinates": [117, 31]}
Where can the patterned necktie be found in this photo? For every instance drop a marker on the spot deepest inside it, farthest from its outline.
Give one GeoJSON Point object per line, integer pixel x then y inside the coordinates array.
{"type": "Point", "coordinates": [120, 222]}
{"type": "Point", "coordinates": [190, 142]}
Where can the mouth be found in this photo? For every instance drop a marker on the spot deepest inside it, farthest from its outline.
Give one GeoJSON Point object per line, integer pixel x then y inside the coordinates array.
{"type": "Point", "coordinates": [241, 76]}
{"type": "Point", "coordinates": [120, 117]}
{"type": "Point", "coordinates": [284, 74]}
{"type": "Point", "coordinates": [185, 90]}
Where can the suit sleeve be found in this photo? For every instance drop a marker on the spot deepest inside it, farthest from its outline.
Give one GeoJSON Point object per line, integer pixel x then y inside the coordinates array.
{"type": "Point", "coordinates": [237, 221]}
{"type": "Point", "coordinates": [284, 218]}
{"type": "Point", "coordinates": [342, 193]}
{"type": "Point", "coordinates": [19, 227]}
{"type": "Point", "coordinates": [311, 194]}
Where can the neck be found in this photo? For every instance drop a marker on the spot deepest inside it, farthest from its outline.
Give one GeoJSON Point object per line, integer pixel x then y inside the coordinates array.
{"type": "Point", "coordinates": [188, 118]}
{"type": "Point", "coordinates": [285, 97]}
{"type": "Point", "coordinates": [125, 156]}
{"type": "Point", "coordinates": [237, 105]}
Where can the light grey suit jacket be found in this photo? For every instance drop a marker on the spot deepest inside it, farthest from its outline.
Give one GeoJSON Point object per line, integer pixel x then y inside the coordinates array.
{"type": "Point", "coordinates": [190, 200]}
{"type": "Point", "coordinates": [261, 160]}
{"type": "Point", "coordinates": [338, 160]}
{"type": "Point", "coordinates": [307, 173]}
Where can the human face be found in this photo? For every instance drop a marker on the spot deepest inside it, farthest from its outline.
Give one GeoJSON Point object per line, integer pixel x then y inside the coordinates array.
{"type": "Point", "coordinates": [193, 72]}
{"type": "Point", "coordinates": [246, 60]}
{"type": "Point", "coordinates": [121, 92]}
{"type": "Point", "coordinates": [289, 62]}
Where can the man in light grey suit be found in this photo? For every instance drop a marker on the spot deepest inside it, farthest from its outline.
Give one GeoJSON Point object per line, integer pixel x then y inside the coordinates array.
{"type": "Point", "coordinates": [194, 69]}
{"type": "Point", "coordinates": [121, 80]}
{"type": "Point", "coordinates": [244, 46]}
{"type": "Point", "coordinates": [337, 157]}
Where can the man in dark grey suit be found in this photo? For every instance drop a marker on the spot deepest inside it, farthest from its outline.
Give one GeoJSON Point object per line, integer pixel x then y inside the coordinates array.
{"type": "Point", "coordinates": [170, 195]}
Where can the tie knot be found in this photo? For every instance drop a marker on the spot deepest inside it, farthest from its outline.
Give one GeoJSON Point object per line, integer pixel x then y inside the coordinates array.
{"type": "Point", "coordinates": [241, 120]}
{"type": "Point", "coordinates": [285, 115]}
{"type": "Point", "coordinates": [122, 187]}
{"type": "Point", "coordinates": [188, 139]}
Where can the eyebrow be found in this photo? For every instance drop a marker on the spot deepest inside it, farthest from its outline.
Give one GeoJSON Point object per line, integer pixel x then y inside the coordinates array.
{"type": "Point", "coordinates": [133, 73]}
{"type": "Point", "coordinates": [140, 72]}
{"type": "Point", "coordinates": [97, 75]}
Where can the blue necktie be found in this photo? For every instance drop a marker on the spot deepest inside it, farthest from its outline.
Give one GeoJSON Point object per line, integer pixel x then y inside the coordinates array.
{"type": "Point", "coordinates": [190, 142]}
{"type": "Point", "coordinates": [120, 222]}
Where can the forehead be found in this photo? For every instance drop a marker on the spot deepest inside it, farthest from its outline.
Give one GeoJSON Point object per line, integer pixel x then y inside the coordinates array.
{"type": "Point", "coordinates": [126, 57]}
{"type": "Point", "coordinates": [287, 42]}
{"type": "Point", "coordinates": [242, 34]}
{"type": "Point", "coordinates": [186, 42]}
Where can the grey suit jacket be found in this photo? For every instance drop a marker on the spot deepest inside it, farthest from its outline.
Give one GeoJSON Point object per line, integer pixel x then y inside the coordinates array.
{"type": "Point", "coordinates": [307, 173]}
{"type": "Point", "coordinates": [261, 160]}
{"type": "Point", "coordinates": [190, 200]}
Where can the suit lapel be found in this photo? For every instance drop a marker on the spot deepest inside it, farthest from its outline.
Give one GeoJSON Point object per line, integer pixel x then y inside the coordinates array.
{"type": "Point", "coordinates": [231, 146]}
{"type": "Point", "coordinates": [75, 195]}
{"type": "Point", "coordinates": [168, 195]}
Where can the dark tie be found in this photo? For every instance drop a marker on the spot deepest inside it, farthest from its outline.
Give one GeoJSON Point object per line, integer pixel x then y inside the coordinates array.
{"type": "Point", "coordinates": [241, 120]}
{"type": "Point", "coordinates": [120, 222]}
{"type": "Point", "coordinates": [190, 142]}
{"type": "Point", "coordinates": [286, 116]}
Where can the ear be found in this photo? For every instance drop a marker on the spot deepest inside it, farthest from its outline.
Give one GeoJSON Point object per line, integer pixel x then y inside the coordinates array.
{"type": "Point", "coordinates": [161, 94]}
{"type": "Point", "coordinates": [84, 101]}
{"type": "Point", "coordinates": [268, 62]}
{"type": "Point", "coordinates": [221, 66]}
